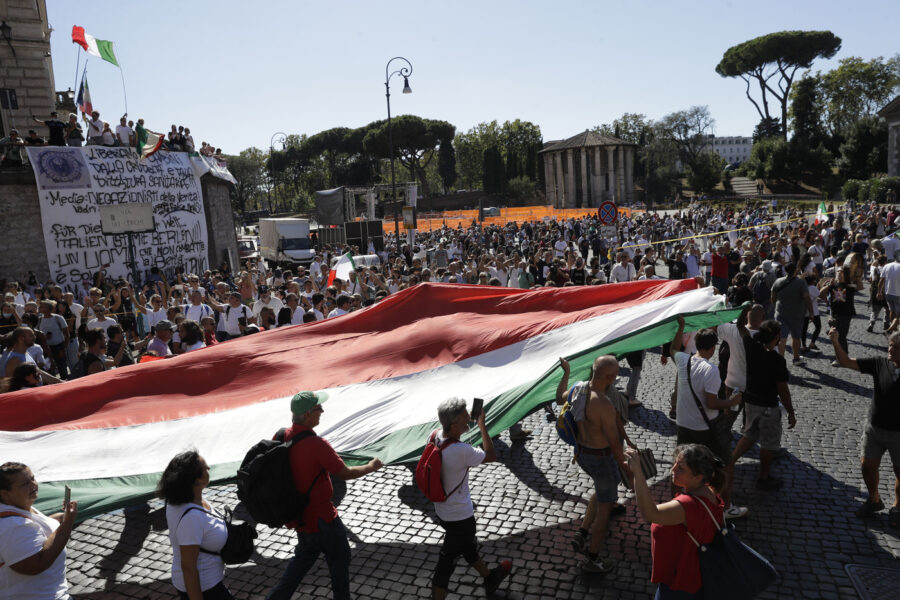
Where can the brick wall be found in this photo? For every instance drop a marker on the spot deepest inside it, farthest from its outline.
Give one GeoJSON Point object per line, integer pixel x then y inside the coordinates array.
{"type": "Point", "coordinates": [22, 246]}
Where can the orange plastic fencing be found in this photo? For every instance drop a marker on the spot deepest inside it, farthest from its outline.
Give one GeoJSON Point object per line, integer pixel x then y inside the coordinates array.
{"type": "Point", "coordinates": [518, 214]}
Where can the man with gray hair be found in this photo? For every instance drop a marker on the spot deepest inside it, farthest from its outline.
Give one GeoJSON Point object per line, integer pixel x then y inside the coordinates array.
{"type": "Point", "coordinates": [457, 513]}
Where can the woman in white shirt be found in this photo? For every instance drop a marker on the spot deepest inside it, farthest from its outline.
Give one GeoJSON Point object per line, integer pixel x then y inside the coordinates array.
{"type": "Point", "coordinates": [196, 532]}
{"type": "Point", "coordinates": [191, 336]}
{"type": "Point", "coordinates": [32, 545]}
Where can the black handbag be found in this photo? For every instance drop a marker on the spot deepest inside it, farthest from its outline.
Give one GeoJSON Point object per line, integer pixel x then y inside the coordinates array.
{"type": "Point", "coordinates": [239, 545]}
{"type": "Point", "coordinates": [730, 568]}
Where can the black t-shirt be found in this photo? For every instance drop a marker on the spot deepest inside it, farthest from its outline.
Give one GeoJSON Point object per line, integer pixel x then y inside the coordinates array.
{"type": "Point", "coordinates": [578, 276]}
{"type": "Point", "coordinates": [885, 409]}
{"type": "Point", "coordinates": [841, 297]}
{"type": "Point", "coordinates": [677, 269]}
{"type": "Point", "coordinates": [765, 368]}
{"type": "Point", "coordinates": [57, 132]}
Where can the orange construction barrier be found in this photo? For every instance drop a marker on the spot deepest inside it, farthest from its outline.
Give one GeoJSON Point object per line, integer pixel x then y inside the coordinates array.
{"type": "Point", "coordinates": [517, 214]}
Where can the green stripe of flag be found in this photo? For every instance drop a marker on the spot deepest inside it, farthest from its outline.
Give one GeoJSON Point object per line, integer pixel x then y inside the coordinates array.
{"type": "Point", "coordinates": [105, 48]}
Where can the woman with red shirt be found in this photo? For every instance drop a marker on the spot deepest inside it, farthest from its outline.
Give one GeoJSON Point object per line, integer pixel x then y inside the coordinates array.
{"type": "Point", "coordinates": [676, 564]}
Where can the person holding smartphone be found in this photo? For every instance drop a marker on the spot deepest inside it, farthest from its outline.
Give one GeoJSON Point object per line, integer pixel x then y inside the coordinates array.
{"type": "Point", "coordinates": [457, 513]}
{"type": "Point", "coordinates": [32, 545]}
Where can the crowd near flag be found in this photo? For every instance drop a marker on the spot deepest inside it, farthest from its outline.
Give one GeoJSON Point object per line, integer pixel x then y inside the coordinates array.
{"type": "Point", "coordinates": [822, 214]}
{"type": "Point", "coordinates": [99, 48]}
{"type": "Point", "coordinates": [385, 369]}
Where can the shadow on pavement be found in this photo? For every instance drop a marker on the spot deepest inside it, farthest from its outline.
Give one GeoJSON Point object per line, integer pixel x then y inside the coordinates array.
{"type": "Point", "coordinates": [520, 462]}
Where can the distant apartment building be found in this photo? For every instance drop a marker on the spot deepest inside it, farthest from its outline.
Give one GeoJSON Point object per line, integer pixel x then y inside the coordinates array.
{"type": "Point", "coordinates": [734, 149]}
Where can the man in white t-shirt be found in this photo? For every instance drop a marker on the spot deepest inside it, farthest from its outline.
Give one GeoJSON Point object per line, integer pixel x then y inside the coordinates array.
{"type": "Point", "coordinates": [124, 133]}
{"type": "Point", "coordinates": [699, 381]}
{"type": "Point", "coordinates": [230, 317]}
{"type": "Point", "coordinates": [100, 320]}
{"type": "Point", "coordinates": [197, 309]}
{"type": "Point", "coordinates": [457, 514]}
{"type": "Point", "coordinates": [560, 247]}
{"type": "Point", "coordinates": [889, 290]}
{"type": "Point", "coordinates": [266, 300]}
{"type": "Point", "coordinates": [342, 308]}
{"type": "Point", "coordinates": [623, 270]}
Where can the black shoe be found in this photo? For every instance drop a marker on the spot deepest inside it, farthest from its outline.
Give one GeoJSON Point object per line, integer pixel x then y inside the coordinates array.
{"type": "Point", "coordinates": [498, 574]}
{"type": "Point", "coordinates": [870, 328]}
{"type": "Point", "coordinates": [869, 509]}
{"type": "Point", "coordinates": [618, 509]}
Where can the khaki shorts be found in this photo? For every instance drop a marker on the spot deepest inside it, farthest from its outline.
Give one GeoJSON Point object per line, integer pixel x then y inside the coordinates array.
{"type": "Point", "coordinates": [762, 424]}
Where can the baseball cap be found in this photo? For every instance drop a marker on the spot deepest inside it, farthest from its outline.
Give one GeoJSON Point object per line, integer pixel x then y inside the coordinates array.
{"type": "Point", "coordinates": [263, 289]}
{"type": "Point", "coordinates": [767, 265]}
{"type": "Point", "coordinates": [164, 325]}
{"type": "Point", "coordinates": [303, 402]}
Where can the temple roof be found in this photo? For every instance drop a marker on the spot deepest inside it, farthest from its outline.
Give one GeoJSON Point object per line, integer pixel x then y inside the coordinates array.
{"type": "Point", "coordinates": [891, 110]}
{"type": "Point", "coordinates": [586, 139]}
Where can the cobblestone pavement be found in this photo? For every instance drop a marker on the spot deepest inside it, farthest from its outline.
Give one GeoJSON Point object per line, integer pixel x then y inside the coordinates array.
{"type": "Point", "coordinates": [530, 504]}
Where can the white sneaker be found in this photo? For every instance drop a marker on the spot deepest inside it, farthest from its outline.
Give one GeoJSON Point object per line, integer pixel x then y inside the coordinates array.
{"type": "Point", "coordinates": [736, 512]}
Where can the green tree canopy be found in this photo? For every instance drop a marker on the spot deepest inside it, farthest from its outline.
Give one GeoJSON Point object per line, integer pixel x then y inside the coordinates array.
{"type": "Point", "coordinates": [249, 169]}
{"type": "Point", "coordinates": [864, 151]}
{"type": "Point", "coordinates": [517, 141]}
{"type": "Point", "coordinates": [772, 62]}
{"type": "Point", "coordinates": [856, 88]}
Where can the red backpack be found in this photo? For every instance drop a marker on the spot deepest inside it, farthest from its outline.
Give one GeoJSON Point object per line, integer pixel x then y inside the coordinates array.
{"type": "Point", "coordinates": [428, 470]}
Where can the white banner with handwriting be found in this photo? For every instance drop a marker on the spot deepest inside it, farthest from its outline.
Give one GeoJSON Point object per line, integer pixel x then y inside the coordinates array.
{"type": "Point", "coordinates": [74, 182]}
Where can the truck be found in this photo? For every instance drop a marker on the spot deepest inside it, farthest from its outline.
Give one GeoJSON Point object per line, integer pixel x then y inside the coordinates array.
{"type": "Point", "coordinates": [285, 242]}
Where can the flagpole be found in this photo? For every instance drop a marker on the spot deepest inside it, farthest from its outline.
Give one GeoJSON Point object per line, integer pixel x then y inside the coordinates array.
{"type": "Point", "coordinates": [124, 95]}
{"type": "Point", "coordinates": [77, 64]}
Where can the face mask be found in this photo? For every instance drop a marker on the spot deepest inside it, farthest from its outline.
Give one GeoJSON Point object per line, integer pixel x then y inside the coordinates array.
{"type": "Point", "coordinates": [7, 315]}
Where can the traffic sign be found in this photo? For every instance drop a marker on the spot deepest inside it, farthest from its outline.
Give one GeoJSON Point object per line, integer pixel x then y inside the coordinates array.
{"type": "Point", "coordinates": [607, 213]}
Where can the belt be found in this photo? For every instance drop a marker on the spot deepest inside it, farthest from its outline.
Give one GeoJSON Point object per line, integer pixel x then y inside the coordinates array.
{"type": "Point", "coordinates": [595, 451]}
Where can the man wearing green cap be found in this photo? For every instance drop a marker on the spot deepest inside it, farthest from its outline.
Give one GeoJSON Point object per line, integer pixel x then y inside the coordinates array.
{"type": "Point", "coordinates": [321, 530]}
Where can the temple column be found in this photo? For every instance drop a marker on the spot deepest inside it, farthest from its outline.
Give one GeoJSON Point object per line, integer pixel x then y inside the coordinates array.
{"type": "Point", "coordinates": [620, 172]}
{"type": "Point", "coordinates": [596, 187]}
{"type": "Point", "coordinates": [584, 188]}
{"type": "Point", "coordinates": [611, 172]}
{"type": "Point", "coordinates": [549, 183]}
{"type": "Point", "coordinates": [570, 178]}
{"type": "Point", "coordinates": [560, 180]}
{"type": "Point", "coordinates": [629, 174]}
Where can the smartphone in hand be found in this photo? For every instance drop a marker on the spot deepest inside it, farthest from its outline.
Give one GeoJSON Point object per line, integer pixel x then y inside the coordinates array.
{"type": "Point", "coordinates": [67, 498]}
{"type": "Point", "coordinates": [477, 408]}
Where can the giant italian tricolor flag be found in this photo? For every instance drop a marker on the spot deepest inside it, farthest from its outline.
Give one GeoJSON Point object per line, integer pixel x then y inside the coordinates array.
{"type": "Point", "coordinates": [385, 370]}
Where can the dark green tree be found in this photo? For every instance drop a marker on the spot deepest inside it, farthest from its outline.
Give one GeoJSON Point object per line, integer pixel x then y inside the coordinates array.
{"type": "Point", "coordinates": [494, 171]}
{"type": "Point", "coordinates": [249, 169]}
{"type": "Point", "coordinates": [772, 61]}
{"type": "Point", "coordinates": [447, 165]}
{"type": "Point", "coordinates": [806, 113]}
{"type": "Point", "coordinates": [706, 172]}
{"type": "Point", "coordinates": [767, 128]}
{"type": "Point", "coordinates": [864, 151]}
{"type": "Point", "coordinates": [857, 88]}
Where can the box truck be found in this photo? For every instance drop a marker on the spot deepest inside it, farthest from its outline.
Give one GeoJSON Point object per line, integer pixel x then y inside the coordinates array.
{"type": "Point", "coordinates": [285, 242]}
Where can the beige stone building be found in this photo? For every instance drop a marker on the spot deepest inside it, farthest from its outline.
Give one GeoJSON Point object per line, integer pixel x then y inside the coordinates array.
{"type": "Point", "coordinates": [891, 114]}
{"type": "Point", "coordinates": [26, 67]}
{"type": "Point", "coordinates": [588, 168]}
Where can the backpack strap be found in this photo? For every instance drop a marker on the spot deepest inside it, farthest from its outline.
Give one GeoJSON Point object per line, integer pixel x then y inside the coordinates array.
{"type": "Point", "coordinates": [209, 512]}
{"type": "Point", "coordinates": [696, 398]}
{"type": "Point", "coordinates": [446, 443]}
{"type": "Point", "coordinates": [279, 436]}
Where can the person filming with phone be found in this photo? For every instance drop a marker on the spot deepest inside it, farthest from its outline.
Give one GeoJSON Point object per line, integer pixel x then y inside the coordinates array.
{"type": "Point", "coordinates": [32, 545]}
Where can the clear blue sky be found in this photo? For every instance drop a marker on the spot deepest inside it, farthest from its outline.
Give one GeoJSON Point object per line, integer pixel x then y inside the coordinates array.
{"type": "Point", "coordinates": [237, 72]}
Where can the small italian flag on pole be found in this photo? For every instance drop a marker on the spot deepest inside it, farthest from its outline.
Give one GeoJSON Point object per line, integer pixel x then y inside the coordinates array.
{"type": "Point", "coordinates": [99, 48]}
{"type": "Point", "coordinates": [822, 214]}
{"type": "Point", "coordinates": [341, 269]}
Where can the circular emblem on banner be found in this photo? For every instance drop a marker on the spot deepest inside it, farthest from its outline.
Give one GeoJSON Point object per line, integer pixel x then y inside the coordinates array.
{"type": "Point", "coordinates": [607, 213]}
{"type": "Point", "coordinates": [60, 166]}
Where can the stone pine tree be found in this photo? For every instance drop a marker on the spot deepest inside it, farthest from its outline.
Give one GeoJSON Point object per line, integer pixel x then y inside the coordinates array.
{"type": "Point", "coordinates": [771, 62]}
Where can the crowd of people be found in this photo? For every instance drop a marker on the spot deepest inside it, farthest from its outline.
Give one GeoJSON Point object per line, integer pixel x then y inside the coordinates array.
{"type": "Point", "coordinates": [786, 273]}
{"type": "Point", "coordinates": [95, 132]}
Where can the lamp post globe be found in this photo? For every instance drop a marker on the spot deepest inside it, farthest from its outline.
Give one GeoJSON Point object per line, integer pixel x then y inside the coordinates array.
{"type": "Point", "coordinates": [404, 72]}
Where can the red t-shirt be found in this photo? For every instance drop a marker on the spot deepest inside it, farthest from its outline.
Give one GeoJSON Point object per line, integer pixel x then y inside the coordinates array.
{"type": "Point", "coordinates": [675, 559]}
{"type": "Point", "coordinates": [719, 266]}
{"type": "Point", "coordinates": [308, 458]}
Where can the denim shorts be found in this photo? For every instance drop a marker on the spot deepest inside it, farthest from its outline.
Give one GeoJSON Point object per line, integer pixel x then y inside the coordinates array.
{"type": "Point", "coordinates": [790, 326]}
{"type": "Point", "coordinates": [893, 303]}
{"type": "Point", "coordinates": [605, 472]}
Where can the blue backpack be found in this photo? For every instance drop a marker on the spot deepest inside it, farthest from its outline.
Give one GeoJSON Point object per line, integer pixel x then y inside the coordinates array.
{"type": "Point", "coordinates": [565, 423]}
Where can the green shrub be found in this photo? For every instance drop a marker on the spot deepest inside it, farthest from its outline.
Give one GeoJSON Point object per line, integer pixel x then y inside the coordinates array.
{"type": "Point", "coordinates": [850, 189]}
{"type": "Point", "coordinates": [878, 187]}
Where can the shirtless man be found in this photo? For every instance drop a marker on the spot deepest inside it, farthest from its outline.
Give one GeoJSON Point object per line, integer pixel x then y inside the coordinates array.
{"type": "Point", "coordinates": [599, 454]}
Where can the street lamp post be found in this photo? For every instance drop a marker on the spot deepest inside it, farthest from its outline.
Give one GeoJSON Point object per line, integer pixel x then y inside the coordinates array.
{"type": "Point", "coordinates": [278, 136]}
{"type": "Point", "coordinates": [404, 72]}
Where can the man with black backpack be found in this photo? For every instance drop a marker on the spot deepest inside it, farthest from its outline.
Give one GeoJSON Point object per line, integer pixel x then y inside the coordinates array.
{"type": "Point", "coordinates": [319, 528]}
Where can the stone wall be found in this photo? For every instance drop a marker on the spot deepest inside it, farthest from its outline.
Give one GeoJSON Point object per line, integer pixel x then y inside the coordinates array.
{"type": "Point", "coordinates": [219, 221]}
{"type": "Point", "coordinates": [22, 246]}
{"type": "Point", "coordinates": [27, 67]}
